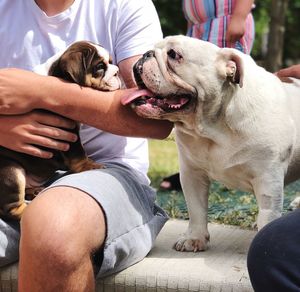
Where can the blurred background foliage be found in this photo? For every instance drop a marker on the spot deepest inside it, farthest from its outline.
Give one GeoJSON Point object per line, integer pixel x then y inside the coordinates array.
{"type": "Point", "coordinates": [173, 22]}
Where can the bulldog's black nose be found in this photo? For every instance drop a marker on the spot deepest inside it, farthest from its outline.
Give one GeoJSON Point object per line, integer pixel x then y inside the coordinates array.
{"type": "Point", "coordinates": [148, 55]}
{"type": "Point", "coordinates": [138, 67]}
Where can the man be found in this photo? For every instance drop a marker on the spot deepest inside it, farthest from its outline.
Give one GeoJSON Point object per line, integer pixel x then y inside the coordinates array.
{"type": "Point", "coordinates": [96, 222]}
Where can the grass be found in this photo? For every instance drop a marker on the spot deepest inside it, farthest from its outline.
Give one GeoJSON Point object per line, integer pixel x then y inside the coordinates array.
{"type": "Point", "coordinates": [225, 206]}
{"type": "Point", "coordinates": [163, 159]}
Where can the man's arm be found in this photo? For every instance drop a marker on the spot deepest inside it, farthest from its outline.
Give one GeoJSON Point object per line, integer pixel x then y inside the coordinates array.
{"type": "Point", "coordinates": [22, 91]}
{"type": "Point", "coordinates": [125, 67]}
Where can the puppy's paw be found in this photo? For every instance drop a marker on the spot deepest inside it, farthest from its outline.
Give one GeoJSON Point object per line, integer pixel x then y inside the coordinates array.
{"type": "Point", "coordinates": [185, 243]}
{"type": "Point", "coordinates": [13, 211]}
{"type": "Point", "coordinates": [84, 165]}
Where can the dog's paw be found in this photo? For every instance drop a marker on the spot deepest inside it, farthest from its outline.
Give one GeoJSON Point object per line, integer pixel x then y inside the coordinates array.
{"type": "Point", "coordinates": [13, 211]}
{"type": "Point", "coordinates": [191, 244]}
{"type": "Point", "coordinates": [84, 165]}
{"type": "Point", "coordinates": [90, 164]}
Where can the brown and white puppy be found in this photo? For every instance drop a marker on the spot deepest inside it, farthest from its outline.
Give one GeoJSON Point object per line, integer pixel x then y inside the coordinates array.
{"type": "Point", "coordinates": [234, 122]}
{"type": "Point", "coordinates": [23, 175]}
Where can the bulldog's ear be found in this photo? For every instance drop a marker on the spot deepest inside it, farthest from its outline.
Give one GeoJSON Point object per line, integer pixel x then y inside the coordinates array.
{"type": "Point", "coordinates": [232, 65]}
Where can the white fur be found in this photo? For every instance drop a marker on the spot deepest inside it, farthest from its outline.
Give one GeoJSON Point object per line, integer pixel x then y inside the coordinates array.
{"type": "Point", "coordinates": [244, 135]}
{"type": "Point", "coordinates": [111, 71]}
{"type": "Point", "coordinates": [43, 69]}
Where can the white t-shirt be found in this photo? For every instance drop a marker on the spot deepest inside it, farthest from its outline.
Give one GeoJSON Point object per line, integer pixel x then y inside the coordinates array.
{"type": "Point", "coordinates": [124, 27]}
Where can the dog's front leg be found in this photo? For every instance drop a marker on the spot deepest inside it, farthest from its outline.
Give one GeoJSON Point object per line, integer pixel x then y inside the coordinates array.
{"type": "Point", "coordinates": [76, 159]}
{"type": "Point", "coordinates": [195, 186]}
{"type": "Point", "coordinates": [268, 191]}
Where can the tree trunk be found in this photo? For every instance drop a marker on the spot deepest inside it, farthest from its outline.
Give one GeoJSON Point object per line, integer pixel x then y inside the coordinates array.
{"type": "Point", "coordinates": [276, 35]}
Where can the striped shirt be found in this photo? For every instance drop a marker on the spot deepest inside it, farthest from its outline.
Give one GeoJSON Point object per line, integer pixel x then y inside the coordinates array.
{"type": "Point", "coordinates": [209, 20]}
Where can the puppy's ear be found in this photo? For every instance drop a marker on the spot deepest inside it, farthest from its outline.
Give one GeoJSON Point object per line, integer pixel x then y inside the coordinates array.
{"type": "Point", "coordinates": [71, 66]}
{"type": "Point", "coordinates": [231, 65]}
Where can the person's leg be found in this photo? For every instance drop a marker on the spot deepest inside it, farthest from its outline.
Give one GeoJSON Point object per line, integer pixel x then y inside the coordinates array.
{"type": "Point", "coordinates": [274, 256]}
{"type": "Point", "coordinates": [9, 242]}
{"type": "Point", "coordinates": [60, 230]}
{"type": "Point", "coordinates": [63, 227]}
{"type": "Point", "coordinates": [133, 220]}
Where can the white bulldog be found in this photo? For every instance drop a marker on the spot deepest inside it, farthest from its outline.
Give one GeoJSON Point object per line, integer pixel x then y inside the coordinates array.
{"type": "Point", "coordinates": [234, 122]}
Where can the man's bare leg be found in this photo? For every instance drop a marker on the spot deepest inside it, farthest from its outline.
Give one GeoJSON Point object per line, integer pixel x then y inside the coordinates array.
{"type": "Point", "coordinates": [59, 231]}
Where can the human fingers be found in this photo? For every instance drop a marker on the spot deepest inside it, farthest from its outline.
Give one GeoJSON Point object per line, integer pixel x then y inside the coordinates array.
{"type": "Point", "coordinates": [47, 143]}
{"type": "Point", "coordinates": [293, 71]}
{"type": "Point", "coordinates": [24, 134]}
{"type": "Point", "coordinates": [39, 146]}
{"type": "Point", "coordinates": [32, 150]}
{"type": "Point", "coordinates": [53, 133]}
{"type": "Point", "coordinates": [52, 119]}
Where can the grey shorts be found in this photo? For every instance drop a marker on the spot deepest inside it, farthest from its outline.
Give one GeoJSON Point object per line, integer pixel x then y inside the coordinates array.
{"type": "Point", "coordinates": [133, 219]}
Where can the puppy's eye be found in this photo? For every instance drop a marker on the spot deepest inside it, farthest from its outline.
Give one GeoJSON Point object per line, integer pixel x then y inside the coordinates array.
{"type": "Point", "coordinates": [99, 69]}
{"type": "Point", "coordinates": [174, 55]}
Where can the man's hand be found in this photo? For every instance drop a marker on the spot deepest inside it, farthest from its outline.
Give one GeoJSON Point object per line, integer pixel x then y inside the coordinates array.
{"type": "Point", "coordinates": [22, 91]}
{"type": "Point", "coordinates": [293, 71]}
{"type": "Point", "coordinates": [25, 133]}
{"type": "Point", "coordinates": [18, 91]}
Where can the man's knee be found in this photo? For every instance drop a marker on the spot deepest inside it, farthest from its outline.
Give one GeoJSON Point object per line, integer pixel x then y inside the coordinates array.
{"type": "Point", "coordinates": [62, 224]}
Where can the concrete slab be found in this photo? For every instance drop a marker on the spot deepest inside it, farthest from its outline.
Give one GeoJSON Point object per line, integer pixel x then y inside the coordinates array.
{"type": "Point", "coordinates": [221, 268]}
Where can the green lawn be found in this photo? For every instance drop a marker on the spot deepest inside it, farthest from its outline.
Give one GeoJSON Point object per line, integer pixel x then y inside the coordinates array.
{"type": "Point", "coordinates": [225, 206]}
{"type": "Point", "coordinates": [163, 159]}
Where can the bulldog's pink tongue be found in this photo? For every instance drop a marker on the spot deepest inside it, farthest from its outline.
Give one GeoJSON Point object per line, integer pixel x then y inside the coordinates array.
{"type": "Point", "coordinates": [135, 94]}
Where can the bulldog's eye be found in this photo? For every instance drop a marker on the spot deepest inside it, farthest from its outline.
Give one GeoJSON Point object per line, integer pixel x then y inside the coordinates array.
{"type": "Point", "coordinates": [99, 69]}
{"type": "Point", "coordinates": [174, 55]}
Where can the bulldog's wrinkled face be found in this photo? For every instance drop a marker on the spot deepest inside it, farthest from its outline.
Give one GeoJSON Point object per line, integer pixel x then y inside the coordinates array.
{"type": "Point", "coordinates": [180, 74]}
{"type": "Point", "coordinates": [87, 64]}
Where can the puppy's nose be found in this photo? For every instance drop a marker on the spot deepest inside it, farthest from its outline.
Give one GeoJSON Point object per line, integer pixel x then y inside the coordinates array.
{"type": "Point", "coordinates": [148, 55]}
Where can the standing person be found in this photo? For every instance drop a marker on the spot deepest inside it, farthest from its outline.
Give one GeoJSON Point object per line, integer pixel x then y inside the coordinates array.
{"type": "Point", "coordinates": [274, 255]}
{"type": "Point", "coordinates": [97, 222]}
{"type": "Point", "coordinates": [225, 23]}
